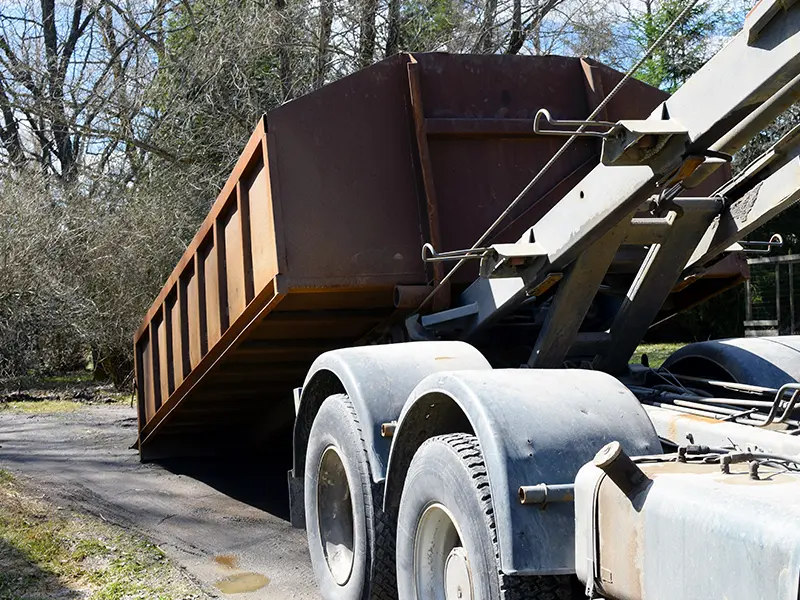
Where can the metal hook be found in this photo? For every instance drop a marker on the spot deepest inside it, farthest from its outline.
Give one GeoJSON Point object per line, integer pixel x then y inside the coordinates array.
{"type": "Point", "coordinates": [758, 247]}
{"type": "Point", "coordinates": [545, 114]}
{"type": "Point", "coordinates": [429, 254]}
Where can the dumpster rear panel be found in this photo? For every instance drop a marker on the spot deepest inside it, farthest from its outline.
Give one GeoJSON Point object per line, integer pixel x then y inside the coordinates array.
{"type": "Point", "coordinates": [324, 217]}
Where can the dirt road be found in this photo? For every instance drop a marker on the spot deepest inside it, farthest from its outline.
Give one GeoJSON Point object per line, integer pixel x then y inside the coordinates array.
{"type": "Point", "coordinates": [219, 520]}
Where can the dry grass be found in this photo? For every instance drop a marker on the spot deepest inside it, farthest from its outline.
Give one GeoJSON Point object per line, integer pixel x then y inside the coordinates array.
{"type": "Point", "coordinates": [61, 393]}
{"type": "Point", "coordinates": [49, 552]}
{"type": "Point", "coordinates": [41, 406]}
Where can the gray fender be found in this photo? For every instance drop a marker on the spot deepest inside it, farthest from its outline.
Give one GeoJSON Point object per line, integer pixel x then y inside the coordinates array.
{"type": "Point", "coordinates": [534, 426]}
{"type": "Point", "coordinates": [378, 379]}
{"type": "Point", "coordinates": [765, 361]}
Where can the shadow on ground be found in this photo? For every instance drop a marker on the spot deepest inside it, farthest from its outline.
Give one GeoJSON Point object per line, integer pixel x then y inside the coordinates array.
{"type": "Point", "coordinates": [256, 477]}
{"type": "Point", "coordinates": [20, 579]}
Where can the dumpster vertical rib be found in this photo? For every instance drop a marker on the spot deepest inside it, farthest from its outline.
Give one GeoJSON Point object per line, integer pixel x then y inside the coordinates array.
{"type": "Point", "coordinates": [139, 358]}
{"type": "Point", "coordinates": [162, 335]}
{"type": "Point", "coordinates": [231, 232]}
{"type": "Point", "coordinates": [243, 202]}
{"type": "Point", "coordinates": [221, 272]}
{"type": "Point", "coordinates": [170, 333]}
{"type": "Point", "coordinates": [426, 169]}
{"type": "Point", "coordinates": [184, 315]}
{"type": "Point", "coordinates": [199, 289]}
{"type": "Point", "coordinates": [211, 280]}
{"type": "Point", "coordinates": [154, 381]}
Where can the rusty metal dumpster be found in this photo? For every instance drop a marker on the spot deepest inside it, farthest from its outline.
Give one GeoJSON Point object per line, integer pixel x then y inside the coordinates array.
{"type": "Point", "coordinates": [317, 232]}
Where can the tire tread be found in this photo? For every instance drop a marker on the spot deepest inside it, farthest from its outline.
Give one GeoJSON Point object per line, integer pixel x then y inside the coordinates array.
{"type": "Point", "coordinates": [512, 587]}
{"type": "Point", "coordinates": [382, 572]}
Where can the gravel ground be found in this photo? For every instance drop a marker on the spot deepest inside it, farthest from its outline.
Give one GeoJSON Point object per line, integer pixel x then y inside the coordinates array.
{"type": "Point", "coordinates": [225, 523]}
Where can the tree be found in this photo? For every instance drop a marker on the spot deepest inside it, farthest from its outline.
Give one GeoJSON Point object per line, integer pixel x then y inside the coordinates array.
{"type": "Point", "coordinates": [686, 49]}
{"type": "Point", "coordinates": [120, 121]}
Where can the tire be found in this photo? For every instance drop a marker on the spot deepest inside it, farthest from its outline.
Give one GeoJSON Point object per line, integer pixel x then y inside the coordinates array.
{"type": "Point", "coordinates": [446, 536]}
{"type": "Point", "coordinates": [349, 539]}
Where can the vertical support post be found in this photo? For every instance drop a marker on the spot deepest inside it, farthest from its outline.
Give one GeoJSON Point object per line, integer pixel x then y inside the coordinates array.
{"type": "Point", "coordinates": [442, 298]}
{"type": "Point", "coordinates": [574, 297]}
{"type": "Point", "coordinates": [791, 299]}
{"type": "Point", "coordinates": [778, 295]}
{"type": "Point", "coordinates": [653, 283]}
{"type": "Point", "coordinates": [748, 301]}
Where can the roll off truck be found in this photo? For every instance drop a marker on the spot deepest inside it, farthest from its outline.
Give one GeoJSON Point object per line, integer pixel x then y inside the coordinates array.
{"type": "Point", "coordinates": [455, 367]}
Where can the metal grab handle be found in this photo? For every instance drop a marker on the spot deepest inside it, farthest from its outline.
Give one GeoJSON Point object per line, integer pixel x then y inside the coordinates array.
{"type": "Point", "coordinates": [429, 254]}
{"type": "Point", "coordinates": [776, 241]}
{"type": "Point", "coordinates": [543, 113]}
{"type": "Point", "coordinates": [773, 413]}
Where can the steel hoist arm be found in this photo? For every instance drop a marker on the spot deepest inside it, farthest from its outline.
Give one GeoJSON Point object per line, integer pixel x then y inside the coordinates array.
{"type": "Point", "coordinates": [577, 239]}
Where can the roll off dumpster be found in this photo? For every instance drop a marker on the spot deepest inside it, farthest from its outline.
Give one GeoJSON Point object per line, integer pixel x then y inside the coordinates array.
{"type": "Point", "coordinates": [315, 238]}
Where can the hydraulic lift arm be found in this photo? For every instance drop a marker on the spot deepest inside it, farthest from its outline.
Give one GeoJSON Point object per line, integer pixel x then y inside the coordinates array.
{"type": "Point", "coordinates": [630, 198]}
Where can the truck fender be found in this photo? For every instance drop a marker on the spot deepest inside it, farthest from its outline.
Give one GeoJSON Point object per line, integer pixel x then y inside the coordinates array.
{"type": "Point", "coordinates": [377, 379]}
{"type": "Point", "coordinates": [534, 426]}
{"type": "Point", "coordinates": [766, 361]}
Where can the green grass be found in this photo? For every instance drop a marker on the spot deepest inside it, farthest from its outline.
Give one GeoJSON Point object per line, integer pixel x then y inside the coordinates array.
{"type": "Point", "coordinates": [45, 551]}
{"type": "Point", "coordinates": [89, 548]}
{"type": "Point", "coordinates": [656, 353]}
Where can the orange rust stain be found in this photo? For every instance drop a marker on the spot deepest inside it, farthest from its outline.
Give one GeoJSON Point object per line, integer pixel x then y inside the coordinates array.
{"type": "Point", "coordinates": [229, 561]}
{"type": "Point", "coordinates": [699, 419]}
{"type": "Point", "coordinates": [672, 427]}
{"type": "Point", "coordinates": [672, 430]}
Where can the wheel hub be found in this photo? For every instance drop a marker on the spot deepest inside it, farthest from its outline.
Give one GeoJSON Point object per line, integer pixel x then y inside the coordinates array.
{"type": "Point", "coordinates": [457, 575]}
{"type": "Point", "coordinates": [441, 564]}
{"type": "Point", "coordinates": [335, 515]}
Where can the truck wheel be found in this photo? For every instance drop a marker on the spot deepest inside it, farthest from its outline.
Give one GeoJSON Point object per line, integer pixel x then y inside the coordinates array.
{"type": "Point", "coordinates": [342, 517]}
{"type": "Point", "coordinates": [446, 538]}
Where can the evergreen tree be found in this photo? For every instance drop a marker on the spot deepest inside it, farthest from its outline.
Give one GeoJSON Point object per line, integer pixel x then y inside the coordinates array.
{"type": "Point", "coordinates": [686, 49]}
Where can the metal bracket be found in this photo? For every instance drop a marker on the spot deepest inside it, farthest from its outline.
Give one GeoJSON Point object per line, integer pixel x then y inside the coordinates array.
{"type": "Point", "coordinates": [507, 260]}
{"type": "Point", "coordinates": [449, 317]}
{"type": "Point", "coordinates": [637, 142]}
{"type": "Point", "coordinates": [762, 14]}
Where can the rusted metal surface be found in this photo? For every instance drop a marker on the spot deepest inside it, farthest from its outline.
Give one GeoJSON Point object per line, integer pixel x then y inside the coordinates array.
{"type": "Point", "coordinates": [324, 217]}
{"type": "Point", "coordinates": [679, 427]}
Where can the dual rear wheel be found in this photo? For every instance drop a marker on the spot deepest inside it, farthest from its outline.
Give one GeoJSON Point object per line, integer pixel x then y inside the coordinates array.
{"type": "Point", "coordinates": [445, 535]}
